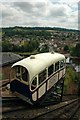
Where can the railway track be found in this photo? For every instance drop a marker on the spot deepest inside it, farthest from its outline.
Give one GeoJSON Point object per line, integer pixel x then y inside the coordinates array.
{"type": "Point", "coordinates": [22, 110]}
{"type": "Point", "coordinates": [11, 104]}
{"type": "Point", "coordinates": [66, 111]}
{"type": "Point", "coordinates": [6, 101]}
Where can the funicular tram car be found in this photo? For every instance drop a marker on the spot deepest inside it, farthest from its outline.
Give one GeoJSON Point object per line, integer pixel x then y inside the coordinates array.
{"type": "Point", "coordinates": [34, 76]}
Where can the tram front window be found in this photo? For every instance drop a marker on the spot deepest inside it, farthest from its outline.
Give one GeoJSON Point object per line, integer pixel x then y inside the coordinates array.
{"type": "Point", "coordinates": [18, 72]}
{"type": "Point", "coordinates": [25, 75]}
{"type": "Point", "coordinates": [21, 73]}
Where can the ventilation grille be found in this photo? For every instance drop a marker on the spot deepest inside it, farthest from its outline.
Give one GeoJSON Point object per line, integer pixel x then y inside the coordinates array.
{"type": "Point", "coordinates": [32, 57]}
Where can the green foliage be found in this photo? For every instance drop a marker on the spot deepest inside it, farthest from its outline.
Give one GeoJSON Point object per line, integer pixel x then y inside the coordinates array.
{"type": "Point", "coordinates": [13, 37]}
{"type": "Point", "coordinates": [71, 74]}
{"type": "Point", "coordinates": [66, 48]}
{"type": "Point", "coordinates": [21, 32]}
{"type": "Point", "coordinates": [6, 46]}
{"type": "Point", "coordinates": [76, 50]}
{"type": "Point", "coordinates": [70, 78]}
{"type": "Point", "coordinates": [38, 28]}
{"type": "Point", "coordinates": [26, 47]}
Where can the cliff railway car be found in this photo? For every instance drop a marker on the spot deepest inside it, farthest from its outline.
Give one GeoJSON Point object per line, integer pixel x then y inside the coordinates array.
{"type": "Point", "coordinates": [34, 76]}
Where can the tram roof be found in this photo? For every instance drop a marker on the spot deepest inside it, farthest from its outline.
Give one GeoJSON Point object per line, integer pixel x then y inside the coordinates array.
{"type": "Point", "coordinates": [37, 63]}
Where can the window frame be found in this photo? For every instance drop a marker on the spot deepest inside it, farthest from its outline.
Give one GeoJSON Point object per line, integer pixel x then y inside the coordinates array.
{"type": "Point", "coordinates": [41, 75]}
{"type": "Point", "coordinates": [57, 64]}
{"type": "Point", "coordinates": [61, 66]}
{"type": "Point", "coordinates": [21, 71]}
{"type": "Point", "coordinates": [52, 65]}
{"type": "Point", "coordinates": [18, 74]}
{"type": "Point", "coordinates": [35, 86]}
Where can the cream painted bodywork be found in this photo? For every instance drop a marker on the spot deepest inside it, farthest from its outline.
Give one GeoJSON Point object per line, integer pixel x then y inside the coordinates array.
{"type": "Point", "coordinates": [39, 62]}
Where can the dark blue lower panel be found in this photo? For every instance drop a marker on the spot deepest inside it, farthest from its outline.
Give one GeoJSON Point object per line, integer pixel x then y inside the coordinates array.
{"type": "Point", "coordinates": [21, 88]}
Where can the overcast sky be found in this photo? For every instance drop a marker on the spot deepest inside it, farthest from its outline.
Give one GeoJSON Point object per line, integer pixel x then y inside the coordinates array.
{"type": "Point", "coordinates": [44, 13]}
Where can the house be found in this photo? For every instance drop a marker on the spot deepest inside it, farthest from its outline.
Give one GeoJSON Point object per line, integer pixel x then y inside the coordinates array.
{"type": "Point", "coordinates": [77, 68]}
{"type": "Point", "coordinates": [6, 61]}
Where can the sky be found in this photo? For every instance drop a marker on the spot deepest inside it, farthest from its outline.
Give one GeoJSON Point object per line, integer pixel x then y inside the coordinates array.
{"type": "Point", "coordinates": [40, 13]}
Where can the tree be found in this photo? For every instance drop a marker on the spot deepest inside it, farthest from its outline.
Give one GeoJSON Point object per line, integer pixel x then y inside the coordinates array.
{"type": "Point", "coordinates": [76, 50]}
{"type": "Point", "coordinates": [71, 80]}
{"type": "Point", "coordinates": [6, 46]}
{"type": "Point", "coordinates": [66, 48]}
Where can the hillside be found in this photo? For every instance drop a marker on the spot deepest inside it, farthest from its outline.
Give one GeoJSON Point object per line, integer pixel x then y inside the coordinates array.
{"type": "Point", "coordinates": [29, 39]}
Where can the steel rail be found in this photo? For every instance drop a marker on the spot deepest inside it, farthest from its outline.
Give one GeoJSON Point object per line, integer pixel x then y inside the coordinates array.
{"type": "Point", "coordinates": [55, 109]}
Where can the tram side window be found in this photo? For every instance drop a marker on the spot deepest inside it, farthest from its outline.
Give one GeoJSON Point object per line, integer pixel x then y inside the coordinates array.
{"type": "Point", "coordinates": [50, 70]}
{"type": "Point", "coordinates": [62, 64]}
{"type": "Point", "coordinates": [34, 83]}
{"type": "Point", "coordinates": [42, 76]}
{"type": "Point", "coordinates": [56, 66]}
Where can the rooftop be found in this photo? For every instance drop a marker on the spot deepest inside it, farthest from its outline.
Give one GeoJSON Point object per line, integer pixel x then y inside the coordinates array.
{"type": "Point", "coordinates": [7, 58]}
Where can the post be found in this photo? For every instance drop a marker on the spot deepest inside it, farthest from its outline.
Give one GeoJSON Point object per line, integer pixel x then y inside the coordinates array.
{"type": "Point", "coordinates": [62, 88]}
